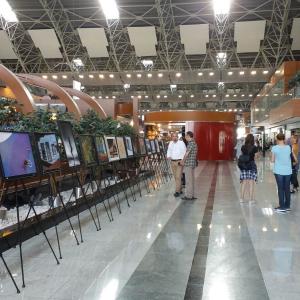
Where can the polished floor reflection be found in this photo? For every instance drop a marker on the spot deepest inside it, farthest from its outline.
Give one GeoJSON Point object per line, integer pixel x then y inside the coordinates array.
{"type": "Point", "coordinates": [163, 248]}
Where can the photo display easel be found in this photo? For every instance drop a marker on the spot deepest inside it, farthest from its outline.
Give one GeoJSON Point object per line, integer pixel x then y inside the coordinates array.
{"type": "Point", "coordinates": [74, 178]}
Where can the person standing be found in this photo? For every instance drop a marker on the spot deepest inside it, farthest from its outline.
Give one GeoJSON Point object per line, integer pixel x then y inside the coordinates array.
{"type": "Point", "coordinates": [175, 153]}
{"type": "Point", "coordinates": [189, 162]}
{"type": "Point", "coordinates": [295, 150]}
{"type": "Point", "coordinates": [281, 157]}
{"type": "Point", "coordinates": [248, 175]}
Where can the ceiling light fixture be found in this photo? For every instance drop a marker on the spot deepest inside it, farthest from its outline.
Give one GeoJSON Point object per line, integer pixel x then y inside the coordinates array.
{"type": "Point", "coordinates": [114, 97]}
{"type": "Point", "coordinates": [253, 72]}
{"type": "Point", "coordinates": [54, 76]}
{"type": "Point", "coordinates": [110, 9]}
{"type": "Point", "coordinates": [45, 76]}
{"type": "Point", "coordinates": [265, 72]}
{"type": "Point", "coordinates": [149, 75]}
{"type": "Point", "coordinates": [111, 75]}
{"type": "Point", "coordinates": [214, 96]}
{"type": "Point", "coordinates": [160, 75]}
{"type": "Point", "coordinates": [157, 96]}
{"type": "Point", "coordinates": [128, 75]}
{"type": "Point", "coordinates": [200, 74]}
{"type": "Point", "coordinates": [180, 96]}
{"type": "Point", "coordinates": [91, 76]}
{"type": "Point", "coordinates": [227, 96]}
{"type": "Point", "coordinates": [242, 72]}
{"type": "Point", "coordinates": [178, 74]}
{"type": "Point", "coordinates": [64, 76]}
{"type": "Point", "coordinates": [106, 97]}
{"type": "Point", "coordinates": [230, 73]}
{"type": "Point", "coordinates": [81, 76]}
{"type": "Point", "coordinates": [138, 75]}
{"type": "Point", "coordinates": [243, 95]}
{"type": "Point", "coordinates": [211, 73]}
{"type": "Point", "coordinates": [146, 96]}
{"type": "Point", "coordinates": [165, 96]}
{"type": "Point", "coordinates": [78, 62]}
{"type": "Point", "coordinates": [221, 7]}
{"type": "Point", "coordinates": [277, 72]}
{"type": "Point", "coordinates": [250, 95]}
{"type": "Point", "coordinates": [101, 76]}
{"type": "Point", "coordinates": [99, 97]}
{"type": "Point", "coordinates": [7, 13]}
{"type": "Point", "coordinates": [192, 96]}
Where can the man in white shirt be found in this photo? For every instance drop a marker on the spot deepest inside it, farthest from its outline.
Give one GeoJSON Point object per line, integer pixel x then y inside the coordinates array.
{"type": "Point", "coordinates": [175, 153]}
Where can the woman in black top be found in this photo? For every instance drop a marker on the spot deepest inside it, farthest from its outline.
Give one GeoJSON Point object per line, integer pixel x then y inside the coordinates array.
{"type": "Point", "coordinates": [248, 175]}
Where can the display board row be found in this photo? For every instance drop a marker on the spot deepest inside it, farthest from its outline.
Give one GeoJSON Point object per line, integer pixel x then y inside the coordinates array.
{"type": "Point", "coordinates": [23, 154]}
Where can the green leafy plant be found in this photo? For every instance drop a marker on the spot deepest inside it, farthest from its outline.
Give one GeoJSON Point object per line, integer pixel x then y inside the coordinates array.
{"type": "Point", "coordinates": [9, 116]}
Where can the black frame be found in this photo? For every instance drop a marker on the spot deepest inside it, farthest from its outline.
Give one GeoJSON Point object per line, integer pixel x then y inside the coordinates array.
{"type": "Point", "coordinates": [156, 141]}
{"type": "Point", "coordinates": [59, 123]}
{"type": "Point", "coordinates": [33, 156]}
{"type": "Point", "coordinates": [90, 164]}
{"type": "Point", "coordinates": [107, 148]}
{"type": "Point", "coordinates": [40, 160]}
{"type": "Point", "coordinates": [131, 155]}
{"type": "Point", "coordinates": [141, 139]}
{"type": "Point", "coordinates": [124, 144]}
{"type": "Point", "coordinates": [100, 162]}
{"type": "Point", "coordinates": [153, 146]}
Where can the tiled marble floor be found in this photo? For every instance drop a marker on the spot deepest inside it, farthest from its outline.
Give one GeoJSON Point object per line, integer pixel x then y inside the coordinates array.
{"type": "Point", "coordinates": [163, 248]}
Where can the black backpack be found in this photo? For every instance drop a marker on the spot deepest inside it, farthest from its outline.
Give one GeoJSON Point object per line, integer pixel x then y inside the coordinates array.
{"type": "Point", "coordinates": [244, 161]}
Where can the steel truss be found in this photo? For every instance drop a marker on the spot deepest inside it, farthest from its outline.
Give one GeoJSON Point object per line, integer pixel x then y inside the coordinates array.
{"type": "Point", "coordinates": [169, 49]}
{"type": "Point", "coordinates": [276, 46]}
{"type": "Point", "coordinates": [68, 37]}
{"type": "Point", "coordinates": [121, 53]}
{"type": "Point", "coordinates": [29, 57]}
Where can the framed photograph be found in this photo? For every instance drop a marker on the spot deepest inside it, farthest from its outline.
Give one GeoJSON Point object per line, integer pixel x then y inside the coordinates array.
{"type": "Point", "coordinates": [121, 147]}
{"type": "Point", "coordinates": [101, 150]}
{"type": "Point", "coordinates": [153, 148]}
{"type": "Point", "coordinates": [129, 146]}
{"type": "Point", "coordinates": [67, 137]}
{"type": "Point", "coordinates": [48, 152]}
{"type": "Point", "coordinates": [161, 146]}
{"type": "Point", "coordinates": [88, 150]}
{"type": "Point", "coordinates": [157, 145]}
{"type": "Point", "coordinates": [142, 146]}
{"type": "Point", "coordinates": [135, 145]}
{"type": "Point", "coordinates": [16, 155]}
{"type": "Point", "coordinates": [148, 146]}
{"type": "Point", "coordinates": [112, 148]}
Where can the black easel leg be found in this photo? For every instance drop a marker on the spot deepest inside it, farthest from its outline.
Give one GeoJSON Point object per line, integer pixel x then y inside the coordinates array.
{"type": "Point", "coordinates": [10, 275]}
{"type": "Point", "coordinates": [44, 233]}
{"type": "Point", "coordinates": [86, 201]}
{"type": "Point", "coordinates": [58, 243]}
{"type": "Point", "coordinates": [20, 242]}
{"type": "Point", "coordinates": [68, 217]}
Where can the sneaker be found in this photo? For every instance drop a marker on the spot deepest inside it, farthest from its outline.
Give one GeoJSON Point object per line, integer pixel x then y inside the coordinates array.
{"type": "Point", "coordinates": [176, 194]}
{"type": "Point", "coordinates": [280, 210]}
{"type": "Point", "coordinates": [288, 209]}
{"type": "Point", "coordinates": [186, 198]}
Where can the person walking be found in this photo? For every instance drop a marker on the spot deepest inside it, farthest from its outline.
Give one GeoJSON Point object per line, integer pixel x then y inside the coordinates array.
{"type": "Point", "coordinates": [175, 154]}
{"type": "Point", "coordinates": [281, 157]}
{"type": "Point", "coordinates": [248, 168]}
{"type": "Point", "coordinates": [295, 150]}
{"type": "Point", "coordinates": [189, 162]}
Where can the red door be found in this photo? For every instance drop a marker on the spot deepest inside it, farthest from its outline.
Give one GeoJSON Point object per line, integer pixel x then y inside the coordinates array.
{"type": "Point", "coordinates": [215, 140]}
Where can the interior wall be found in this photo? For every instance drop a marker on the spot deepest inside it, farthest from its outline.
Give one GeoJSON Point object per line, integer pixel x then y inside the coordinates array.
{"type": "Point", "coordinates": [215, 140]}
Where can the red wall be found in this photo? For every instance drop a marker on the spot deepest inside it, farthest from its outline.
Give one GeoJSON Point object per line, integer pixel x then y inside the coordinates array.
{"type": "Point", "coordinates": [215, 140]}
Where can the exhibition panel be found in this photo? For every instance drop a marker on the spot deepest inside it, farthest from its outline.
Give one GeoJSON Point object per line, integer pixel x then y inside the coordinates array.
{"type": "Point", "coordinates": [49, 179]}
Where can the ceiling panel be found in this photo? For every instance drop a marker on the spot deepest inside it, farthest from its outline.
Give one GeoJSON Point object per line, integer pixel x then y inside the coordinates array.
{"type": "Point", "coordinates": [143, 39]}
{"type": "Point", "coordinates": [247, 42]}
{"type": "Point", "coordinates": [47, 42]}
{"type": "Point", "coordinates": [295, 34]}
{"type": "Point", "coordinates": [6, 50]}
{"type": "Point", "coordinates": [194, 38]}
{"type": "Point", "coordinates": [95, 41]}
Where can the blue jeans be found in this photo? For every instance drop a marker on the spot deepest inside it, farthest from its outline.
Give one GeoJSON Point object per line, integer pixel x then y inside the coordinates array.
{"type": "Point", "coordinates": [284, 193]}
